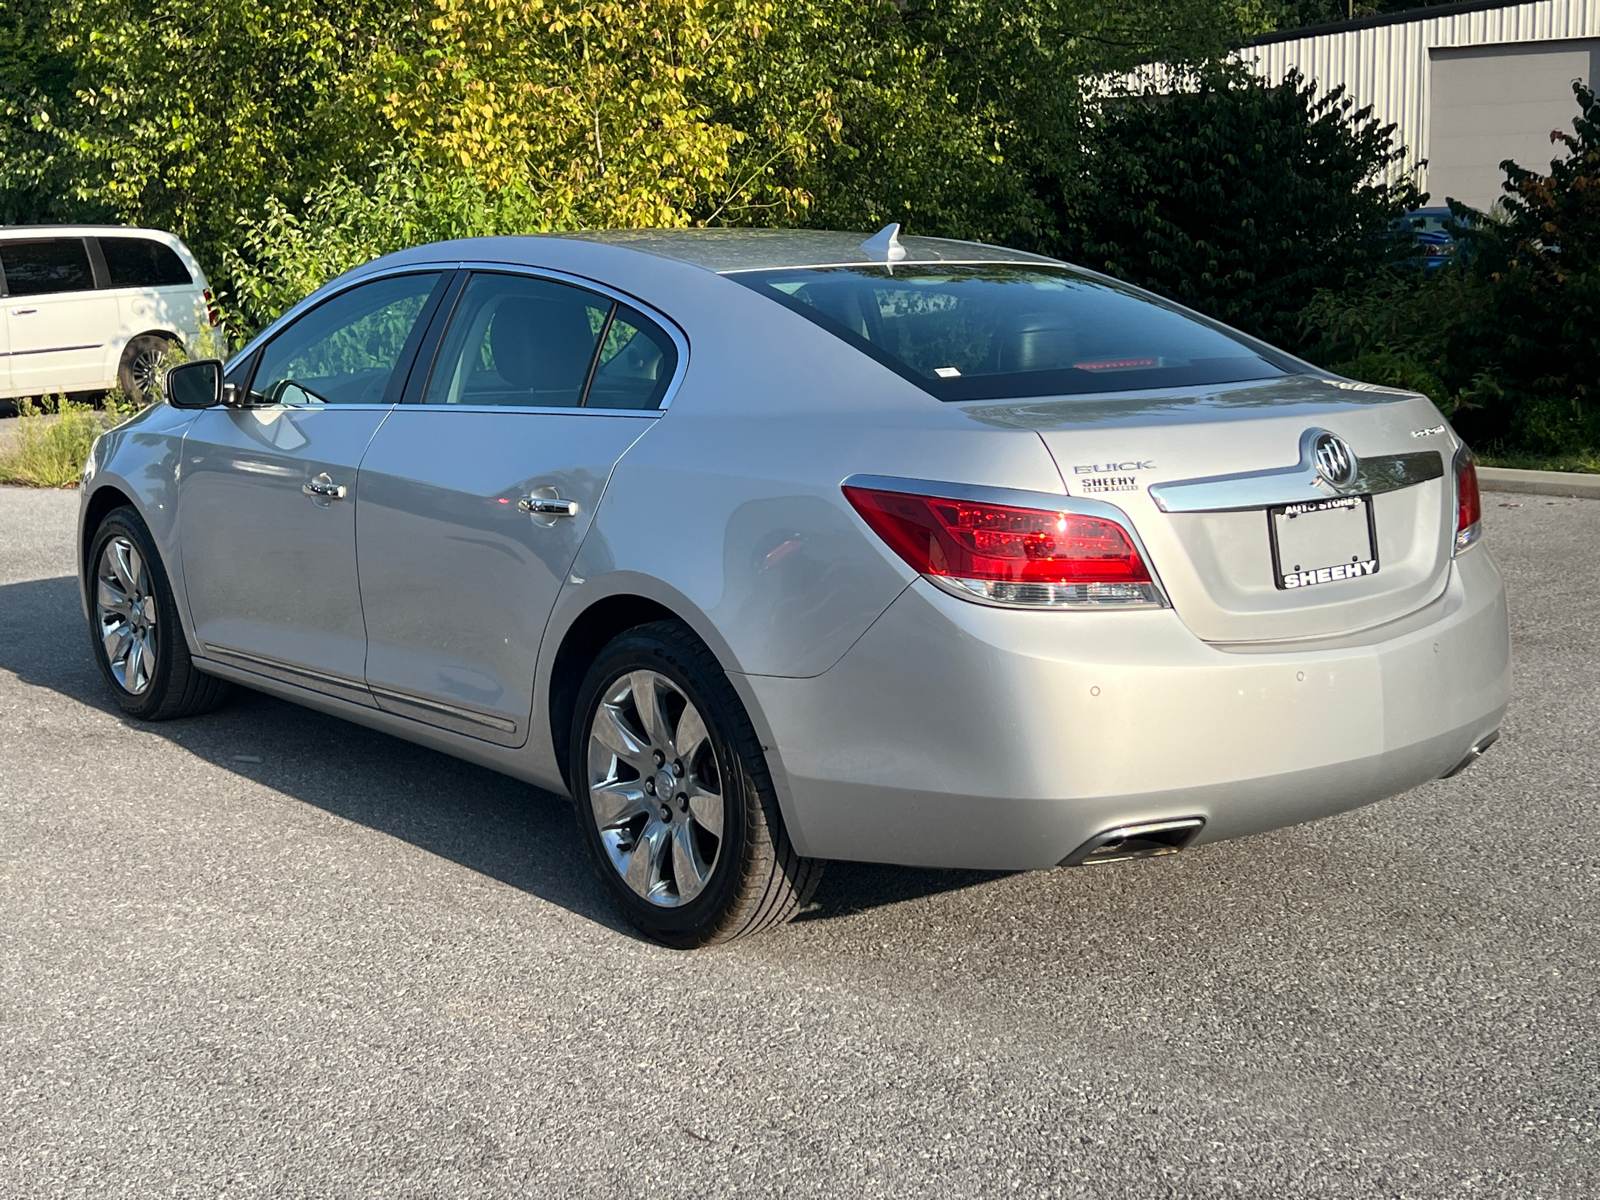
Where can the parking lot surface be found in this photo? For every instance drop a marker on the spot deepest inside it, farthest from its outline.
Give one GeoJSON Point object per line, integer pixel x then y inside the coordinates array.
{"type": "Point", "coordinates": [266, 952]}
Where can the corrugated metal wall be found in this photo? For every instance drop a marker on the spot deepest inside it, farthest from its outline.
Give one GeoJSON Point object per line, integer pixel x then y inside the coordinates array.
{"type": "Point", "coordinates": [1387, 66]}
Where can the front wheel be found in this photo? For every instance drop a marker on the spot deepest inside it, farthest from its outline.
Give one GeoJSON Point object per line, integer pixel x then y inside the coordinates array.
{"type": "Point", "coordinates": [674, 800]}
{"type": "Point", "coordinates": [138, 642]}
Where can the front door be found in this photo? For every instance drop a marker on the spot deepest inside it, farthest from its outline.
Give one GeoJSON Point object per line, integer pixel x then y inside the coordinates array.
{"type": "Point", "coordinates": [61, 329]}
{"type": "Point", "coordinates": [267, 492]}
{"type": "Point", "coordinates": [474, 501]}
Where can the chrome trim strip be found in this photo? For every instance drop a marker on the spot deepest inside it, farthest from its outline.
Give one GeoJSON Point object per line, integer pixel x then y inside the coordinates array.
{"type": "Point", "coordinates": [50, 350]}
{"type": "Point", "coordinates": [523, 410]}
{"type": "Point", "coordinates": [328, 291]}
{"type": "Point", "coordinates": [446, 710]}
{"type": "Point", "coordinates": [904, 262]}
{"type": "Point", "coordinates": [1018, 498]}
{"type": "Point", "coordinates": [679, 339]}
{"type": "Point", "coordinates": [1290, 485]}
{"type": "Point", "coordinates": [318, 681]}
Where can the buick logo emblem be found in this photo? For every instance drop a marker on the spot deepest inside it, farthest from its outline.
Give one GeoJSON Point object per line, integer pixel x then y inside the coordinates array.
{"type": "Point", "coordinates": [1334, 460]}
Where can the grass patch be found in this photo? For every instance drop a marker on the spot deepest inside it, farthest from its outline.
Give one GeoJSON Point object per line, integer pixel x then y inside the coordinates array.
{"type": "Point", "coordinates": [52, 438]}
{"type": "Point", "coordinates": [1586, 463]}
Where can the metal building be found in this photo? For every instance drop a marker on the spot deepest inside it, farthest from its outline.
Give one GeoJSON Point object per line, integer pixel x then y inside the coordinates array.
{"type": "Point", "coordinates": [1468, 85]}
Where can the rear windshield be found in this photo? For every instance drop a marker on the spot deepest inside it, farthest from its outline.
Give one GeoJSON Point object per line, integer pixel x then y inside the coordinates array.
{"type": "Point", "coordinates": [989, 331]}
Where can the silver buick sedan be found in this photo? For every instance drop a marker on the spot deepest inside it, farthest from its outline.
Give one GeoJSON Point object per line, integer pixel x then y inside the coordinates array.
{"type": "Point", "coordinates": [774, 547]}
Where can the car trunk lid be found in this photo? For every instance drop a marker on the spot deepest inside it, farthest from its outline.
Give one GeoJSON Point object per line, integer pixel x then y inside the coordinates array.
{"type": "Point", "coordinates": [1250, 541]}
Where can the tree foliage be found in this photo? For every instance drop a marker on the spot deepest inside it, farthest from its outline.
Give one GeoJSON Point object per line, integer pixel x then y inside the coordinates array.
{"type": "Point", "coordinates": [1511, 328]}
{"type": "Point", "coordinates": [1237, 197]}
{"type": "Point", "coordinates": [269, 129]}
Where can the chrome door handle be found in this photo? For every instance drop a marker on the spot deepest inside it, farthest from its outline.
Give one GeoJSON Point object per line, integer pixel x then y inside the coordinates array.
{"type": "Point", "coordinates": [23, 312]}
{"type": "Point", "coordinates": [324, 488]}
{"type": "Point", "coordinates": [547, 506]}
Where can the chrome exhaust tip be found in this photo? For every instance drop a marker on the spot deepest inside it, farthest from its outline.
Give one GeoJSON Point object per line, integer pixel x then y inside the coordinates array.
{"type": "Point", "coordinates": [1122, 842]}
{"type": "Point", "coordinates": [1473, 755]}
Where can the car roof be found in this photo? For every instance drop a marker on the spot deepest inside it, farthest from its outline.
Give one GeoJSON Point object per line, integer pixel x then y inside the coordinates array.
{"type": "Point", "coordinates": [39, 231]}
{"type": "Point", "coordinates": [726, 250]}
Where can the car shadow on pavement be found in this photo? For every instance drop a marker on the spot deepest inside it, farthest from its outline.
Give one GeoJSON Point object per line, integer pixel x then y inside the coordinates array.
{"type": "Point", "coordinates": [489, 823]}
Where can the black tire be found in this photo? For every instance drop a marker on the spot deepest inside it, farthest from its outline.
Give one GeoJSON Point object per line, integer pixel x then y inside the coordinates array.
{"type": "Point", "coordinates": [757, 880]}
{"type": "Point", "coordinates": [172, 685]}
{"type": "Point", "coordinates": [141, 360]}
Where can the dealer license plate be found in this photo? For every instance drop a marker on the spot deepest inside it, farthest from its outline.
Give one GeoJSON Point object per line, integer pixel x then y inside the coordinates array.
{"type": "Point", "coordinates": [1323, 541]}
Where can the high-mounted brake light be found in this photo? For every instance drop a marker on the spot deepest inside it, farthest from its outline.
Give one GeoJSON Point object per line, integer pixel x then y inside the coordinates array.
{"type": "Point", "coordinates": [1469, 505]}
{"type": "Point", "coordinates": [1023, 557]}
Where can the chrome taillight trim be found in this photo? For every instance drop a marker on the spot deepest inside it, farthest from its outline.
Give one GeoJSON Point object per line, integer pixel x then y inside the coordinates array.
{"type": "Point", "coordinates": [970, 589]}
{"type": "Point", "coordinates": [1096, 597]}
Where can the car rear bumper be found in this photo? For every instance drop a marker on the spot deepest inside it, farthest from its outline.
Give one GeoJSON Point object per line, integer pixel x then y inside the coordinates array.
{"type": "Point", "coordinates": [958, 735]}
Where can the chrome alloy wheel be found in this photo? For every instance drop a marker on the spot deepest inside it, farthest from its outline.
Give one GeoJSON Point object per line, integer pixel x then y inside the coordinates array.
{"type": "Point", "coordinates": [655, 788]}
{"type": "Point", "coordinates": [125, 607]}
{"type": "Point", "coordinates": [146, 371]}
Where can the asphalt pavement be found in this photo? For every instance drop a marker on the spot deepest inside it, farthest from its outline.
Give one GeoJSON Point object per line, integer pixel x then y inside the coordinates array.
{"type": "Point", "coordinates": [268, 953]}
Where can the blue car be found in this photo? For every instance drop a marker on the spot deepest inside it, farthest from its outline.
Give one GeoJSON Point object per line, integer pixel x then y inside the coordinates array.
{"type": "Point", "coordinates": [1429, 229]}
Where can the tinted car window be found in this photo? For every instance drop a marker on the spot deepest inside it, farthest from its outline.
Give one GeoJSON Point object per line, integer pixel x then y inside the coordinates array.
{"type": "Point", "coordinates": [519, 342]}
{"type": "Point", "coordinates": [993, 330]}
{"type": "Point", "coordinates": [345, 350]}
{"type": "Point", "coordinates": [141, 262]}
{"type": "Point", "coordinates": [48, 265]}
{"type": "Point", "coordinates": [636, 363]}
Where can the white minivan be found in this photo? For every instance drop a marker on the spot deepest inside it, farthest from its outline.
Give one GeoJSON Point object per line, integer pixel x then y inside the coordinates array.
{"type": "Point", "coordinates": [90, 306]}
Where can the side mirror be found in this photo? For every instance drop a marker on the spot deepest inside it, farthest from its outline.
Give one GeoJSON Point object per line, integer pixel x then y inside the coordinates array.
{"type": "Point", "coordinates": [195, 384]}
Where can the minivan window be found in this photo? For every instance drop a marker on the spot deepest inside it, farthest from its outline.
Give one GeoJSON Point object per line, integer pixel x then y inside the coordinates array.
{"type": "Point", "coordinates": [1001, 330]}
{"type": "Point", "coordinates": [37, 268]}
{"type": "Point", "coordinates": [143, 263]}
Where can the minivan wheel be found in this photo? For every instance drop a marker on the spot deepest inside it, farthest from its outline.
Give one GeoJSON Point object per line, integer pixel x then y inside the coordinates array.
{"type": "Point", "coordinates": [674, 799]}
{"type": "Point", "coordinates": [138, 642]}
{"type": "Point", "coordinates": [139, 373]}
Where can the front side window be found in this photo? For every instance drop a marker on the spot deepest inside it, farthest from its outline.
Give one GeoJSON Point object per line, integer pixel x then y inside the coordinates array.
{"type": "Point", "coordinates": [517, 341]}
{"type": "Point", "coordinates": [142, 262]}
{"type": "Point", "coordinates": [1008, 330]}
{"type": "Point", "coordinates": [48, 265]}
{"type": "Point", "coordinates": [346, 349]}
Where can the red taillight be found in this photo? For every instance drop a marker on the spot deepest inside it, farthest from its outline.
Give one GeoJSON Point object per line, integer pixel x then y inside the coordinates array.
{"type": "Point", "coordinates": [1469, 505]}
{"type": "Point", "coordinates": [213, 313]}
{"type": "Point", "coordinates": [1010, 555]}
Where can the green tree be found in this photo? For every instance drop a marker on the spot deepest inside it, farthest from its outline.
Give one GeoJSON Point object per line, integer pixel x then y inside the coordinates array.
{"type": "Point", "coordinates": [1236, 196]}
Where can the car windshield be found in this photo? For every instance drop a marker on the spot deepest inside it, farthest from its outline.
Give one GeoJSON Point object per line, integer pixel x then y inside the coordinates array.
{"type": "Point", "coordinates": [989, 331]}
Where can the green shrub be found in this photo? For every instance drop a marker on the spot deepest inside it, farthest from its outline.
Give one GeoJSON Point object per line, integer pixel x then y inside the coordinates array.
{"type": "Point", "coordinates": [1236, 196]}
{"type": "Point", "coordinates": [1510, 329]}
{"type": "Point", "coordinates": [51, 441]}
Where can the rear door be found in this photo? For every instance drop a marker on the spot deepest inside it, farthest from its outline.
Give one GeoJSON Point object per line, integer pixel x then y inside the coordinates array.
{"type": "Point", "coordinates": [154, 289]}
{"type": "Point", "coordinates": [474, 499]}
{"type": "Point", "coordinates": [267, 493]}
{"type": "Point", "coordinates": [60, 327]}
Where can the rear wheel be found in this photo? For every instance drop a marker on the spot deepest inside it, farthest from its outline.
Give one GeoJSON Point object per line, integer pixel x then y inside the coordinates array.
{"type": "Point", "coordinates": [139, 373]}
{"type": "Point", "coordinates": [138, 642]}
{"type": "Point", "coordinates": [673, 795]}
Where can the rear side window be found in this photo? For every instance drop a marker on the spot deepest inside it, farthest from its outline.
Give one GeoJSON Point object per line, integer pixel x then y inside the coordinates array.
{"type": "Point", "coordinates": [636, 364]}
{"type": "Point", "coordinates": [999, 330]}
{"type": "Point", "coordinates": [48, 265]}
{"type": "Point", "coordinates": [141, 262]}
{"type": "Point", "coordinates": [523, 342]}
